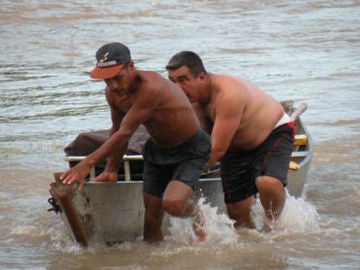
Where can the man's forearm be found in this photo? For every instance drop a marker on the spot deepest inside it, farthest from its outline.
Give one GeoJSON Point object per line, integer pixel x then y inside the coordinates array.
{"type": "Point", "coordinates": [215, 155]}
{"type": "Point", "coordinates": [113, 162]}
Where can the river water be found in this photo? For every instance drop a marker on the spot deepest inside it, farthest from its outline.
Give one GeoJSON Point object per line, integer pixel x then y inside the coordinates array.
{"type": "Point", "coordinates": [308, 51]}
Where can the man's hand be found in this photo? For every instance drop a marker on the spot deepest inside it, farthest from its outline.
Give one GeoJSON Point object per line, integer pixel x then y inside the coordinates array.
{"type": "Point", "coordinates": [107, 176]}
{"type": "Point", "coordinates": [206, 168]}
{"type": "Point", "coordinates": [76, 174]}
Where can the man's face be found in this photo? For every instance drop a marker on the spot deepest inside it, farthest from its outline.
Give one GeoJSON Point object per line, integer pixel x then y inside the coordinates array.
{"type": "Point", "coordinates": [188, 83]}
{"type": "Point", "coordinates": [120, 83]}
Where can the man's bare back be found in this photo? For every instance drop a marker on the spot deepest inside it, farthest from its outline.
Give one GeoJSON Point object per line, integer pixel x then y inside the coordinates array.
{"type": "Point", "coordinates": [169, 106]}
{"type": "Point", "coordinates": [236, 112]}
{"type": "Point", "coordinates": [253, 111]}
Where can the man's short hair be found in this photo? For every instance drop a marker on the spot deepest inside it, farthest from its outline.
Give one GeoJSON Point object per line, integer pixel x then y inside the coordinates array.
{"type": "Point", "coordinates": [189, 59]}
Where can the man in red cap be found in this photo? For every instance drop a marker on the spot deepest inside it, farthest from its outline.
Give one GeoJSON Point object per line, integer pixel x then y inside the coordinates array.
{"type": "Point", "coordinates": [174, 155]}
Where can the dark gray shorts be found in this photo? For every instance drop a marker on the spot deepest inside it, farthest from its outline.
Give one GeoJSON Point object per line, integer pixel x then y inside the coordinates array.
{"type": "Point", "coordinates": [185, 163]}
{"type": "Point", "coordinates": [239, 168]}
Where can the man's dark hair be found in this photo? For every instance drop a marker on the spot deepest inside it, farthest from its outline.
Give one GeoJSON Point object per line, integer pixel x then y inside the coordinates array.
{"type": "Point", "coordinates": [189, 59]}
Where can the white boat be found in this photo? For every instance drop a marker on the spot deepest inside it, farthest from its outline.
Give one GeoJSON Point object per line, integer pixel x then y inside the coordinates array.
{"type": "Point", "coordinates": [113, 212]}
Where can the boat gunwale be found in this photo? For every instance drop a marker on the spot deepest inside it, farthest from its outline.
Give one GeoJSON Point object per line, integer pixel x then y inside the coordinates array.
{"type": "Point", "coordinates": [310, 145]}
{"type": "Point", "coordinates": [127, 158]}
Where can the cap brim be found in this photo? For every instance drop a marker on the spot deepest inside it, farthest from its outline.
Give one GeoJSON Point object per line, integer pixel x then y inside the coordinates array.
{"type": "Point", "coordinates": [105, 72]}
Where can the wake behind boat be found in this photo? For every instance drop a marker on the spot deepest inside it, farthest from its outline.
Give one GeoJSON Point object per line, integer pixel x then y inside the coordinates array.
{"type": "Point", "coordinates": [105, 212]}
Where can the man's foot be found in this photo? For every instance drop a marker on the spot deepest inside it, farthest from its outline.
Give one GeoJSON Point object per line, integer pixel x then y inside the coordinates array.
{"type": "Point", "coordinates": [199, 226]}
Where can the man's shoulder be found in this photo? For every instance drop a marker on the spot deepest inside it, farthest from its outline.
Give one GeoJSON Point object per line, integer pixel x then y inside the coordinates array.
{"type": "Point", "coordinates": [148, 74]}
{"type": "Point", "coordinates": [152, 86]}
{"type": "Point", "coordinates": [151, 79]}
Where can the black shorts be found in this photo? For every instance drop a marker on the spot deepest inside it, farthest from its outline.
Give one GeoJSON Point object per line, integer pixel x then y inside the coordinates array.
{"type": "Point", "coordinates": [239, 168]}
{"type": "Point", "coordinates": [184, 162]}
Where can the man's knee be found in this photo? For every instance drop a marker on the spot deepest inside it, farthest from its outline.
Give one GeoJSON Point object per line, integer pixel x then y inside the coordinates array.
{"type": "Point", "coordinates": [177, 199]}
{"type": "Point", "coordinates": [174, 207]}
{"type": "Point", "coordinates": [268, 185]}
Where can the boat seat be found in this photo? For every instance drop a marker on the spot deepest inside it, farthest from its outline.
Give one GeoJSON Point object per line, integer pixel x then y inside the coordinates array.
{"type": "Point", "coordinates": [294, 166]}
{"type": "Point", "coordinates": [299, 153]}
{"type": "Point", "coordinates": [300, 140]}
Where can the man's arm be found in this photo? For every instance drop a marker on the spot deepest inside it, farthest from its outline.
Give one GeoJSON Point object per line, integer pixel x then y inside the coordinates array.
{"type": "Point", "coordinates": [204, 120]}
{"type": "Point", "coordinates": [113, 161]}
{"type": "Point", "coordinates": [144, 105]}
{"type": "Point", "coordinates": [228, 115]}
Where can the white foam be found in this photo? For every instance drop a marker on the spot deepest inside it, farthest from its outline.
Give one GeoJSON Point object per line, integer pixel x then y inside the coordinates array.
{"type": "Point", "coordinates": [297, 216]}
{"type": "Point", "coordinates": [26, 230]}
{"type": "Point", "coordinates": [218, 226]}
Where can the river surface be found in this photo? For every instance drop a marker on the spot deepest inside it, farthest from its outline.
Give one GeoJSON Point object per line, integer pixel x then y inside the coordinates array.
{"type": "Point", "coordinates": [308, 51]}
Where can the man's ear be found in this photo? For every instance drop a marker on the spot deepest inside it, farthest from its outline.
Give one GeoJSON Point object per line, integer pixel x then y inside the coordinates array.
{"type": "Point", "coordinates": [202, 76]}
{"type": "Point", "coordinates": [131, 65]}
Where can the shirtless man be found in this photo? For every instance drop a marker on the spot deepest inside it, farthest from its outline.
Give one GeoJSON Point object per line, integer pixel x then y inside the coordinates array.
{"type": "Point", "coordinates": [250, 134]}
{"type": "Point", "coordinates": [174, 155]}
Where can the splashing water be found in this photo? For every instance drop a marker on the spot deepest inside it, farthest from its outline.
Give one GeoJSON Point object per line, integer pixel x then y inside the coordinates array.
{"type": "Point", "coordinates": [297, 216]}
{"type": "Point", "coordinates": [218, 226]}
